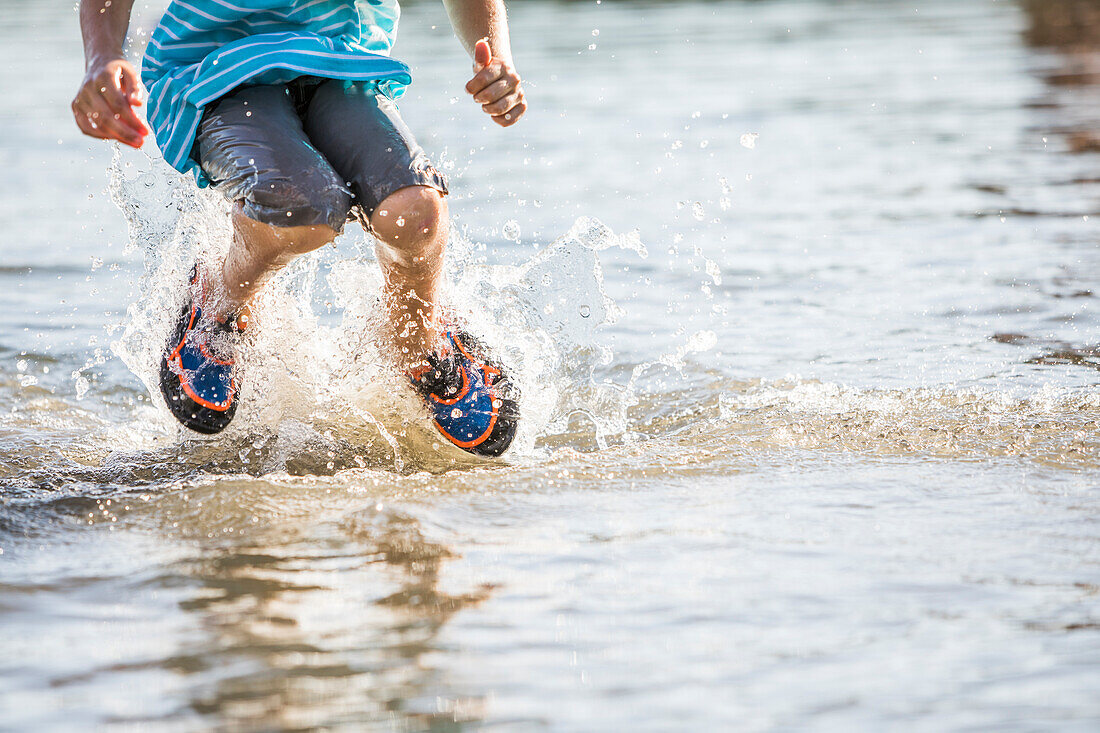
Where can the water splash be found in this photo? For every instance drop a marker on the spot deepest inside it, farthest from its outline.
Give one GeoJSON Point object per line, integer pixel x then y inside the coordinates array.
{"type": "Point", "coordinates": [318, 392]}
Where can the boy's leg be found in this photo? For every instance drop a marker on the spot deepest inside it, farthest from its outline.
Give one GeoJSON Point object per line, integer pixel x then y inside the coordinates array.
{"type": "Point", "coordinates": [411, 228]}
{"type": "Point", "coordinates": [289, 200]}
{"type": "Point", "coordinates": [259, 250]}
{"type": "Point", "coordinates": [401, 197]}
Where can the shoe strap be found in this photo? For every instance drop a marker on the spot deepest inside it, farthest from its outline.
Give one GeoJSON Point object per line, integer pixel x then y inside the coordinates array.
{"type": "Point", "coordinates": [439, 375]}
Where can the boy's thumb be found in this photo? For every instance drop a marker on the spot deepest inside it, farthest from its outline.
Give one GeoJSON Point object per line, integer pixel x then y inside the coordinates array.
{"type": "Point", "coordinates": [482, 54]}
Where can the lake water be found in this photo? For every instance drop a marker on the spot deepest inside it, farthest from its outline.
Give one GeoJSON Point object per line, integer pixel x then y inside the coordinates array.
{"type": "Point", "coordinates": [803, 300]}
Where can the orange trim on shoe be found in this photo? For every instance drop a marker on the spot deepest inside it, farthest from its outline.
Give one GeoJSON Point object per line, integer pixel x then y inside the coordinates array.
{"type": "Point", "coordinates": [206, 352]}
{"type": "Point", "coordinates": [190, 324]}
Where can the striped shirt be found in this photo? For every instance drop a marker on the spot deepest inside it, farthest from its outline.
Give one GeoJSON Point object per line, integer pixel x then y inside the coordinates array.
{"type": "Point", "coordinates": [203, 49]}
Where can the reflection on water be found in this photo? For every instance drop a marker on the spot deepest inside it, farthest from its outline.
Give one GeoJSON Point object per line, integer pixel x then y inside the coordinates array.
{"type": "Point", "coordinates": [1072, 29]}
{"type": "Point", "coordinates": [1070, 25]}
{"type": "Point", "coordinates": [1054, 352]}
{"type": "Point", "coordinates": [296, 619]}
{"type": "Point", "coordinates": [318, 631]}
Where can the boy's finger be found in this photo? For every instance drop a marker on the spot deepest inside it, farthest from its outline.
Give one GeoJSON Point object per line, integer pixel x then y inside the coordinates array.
{"type": "Point", "coordinates": [131, 87]}
{"type": "Point", "coordinates": [484, 78]}
{"type": "Point", "coordinates": [504, 104]}
{"type": "Point", "coordinates": [482, 54]}
{"type": "Point", "coordinates": [512, 116]}
{"type": "Point", "coordinates": [118, 97]}
{"type": "Point", "coordinates": [119, 105]}
{"type": "Point", "coordinates": [103, 118]}
{"type": "Point", "coordinates": [495, 91]}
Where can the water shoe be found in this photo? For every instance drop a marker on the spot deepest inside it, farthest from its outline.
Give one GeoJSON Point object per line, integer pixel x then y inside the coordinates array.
{"type": "Point", "coordinates": [197, 369]}
{"type": "Point", "coordinates": [472, 403]}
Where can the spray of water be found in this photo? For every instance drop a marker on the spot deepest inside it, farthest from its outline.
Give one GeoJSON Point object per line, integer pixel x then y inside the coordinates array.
{"type": "Point", "coordinates": [318, 393]}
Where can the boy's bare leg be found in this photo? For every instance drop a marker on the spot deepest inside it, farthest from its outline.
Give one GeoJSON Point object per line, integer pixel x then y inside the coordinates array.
{"type": "Point", "coordinates": [411, 228]}
{"type": "Point", "coordinates": [259, 251]}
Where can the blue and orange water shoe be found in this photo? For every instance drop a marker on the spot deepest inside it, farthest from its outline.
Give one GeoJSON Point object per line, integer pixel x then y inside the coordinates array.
{"type": "Point", "coordinates": [197, 370]}
{"type": "Point", "coordinates": [472, 403]}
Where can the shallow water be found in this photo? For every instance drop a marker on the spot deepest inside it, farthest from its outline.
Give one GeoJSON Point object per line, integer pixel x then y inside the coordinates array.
{"type": "Point", "coordinates": [803, 299]}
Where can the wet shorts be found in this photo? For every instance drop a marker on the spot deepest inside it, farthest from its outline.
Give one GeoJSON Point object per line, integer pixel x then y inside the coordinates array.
{"type": "Point", "coordinates": [313, 151]}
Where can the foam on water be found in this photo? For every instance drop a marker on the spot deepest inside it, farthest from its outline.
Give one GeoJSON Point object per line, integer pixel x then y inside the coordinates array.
{"type": "Point", "coordinates": [1052, 427]}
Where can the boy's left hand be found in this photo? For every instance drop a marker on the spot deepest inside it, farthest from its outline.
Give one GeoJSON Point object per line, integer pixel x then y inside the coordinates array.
{"type": "Point", "coordinates": [496, 86]}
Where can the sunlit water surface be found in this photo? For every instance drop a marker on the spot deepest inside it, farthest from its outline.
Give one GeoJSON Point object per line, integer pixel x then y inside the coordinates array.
{"type": "Point", "coordinates": [802, 299]}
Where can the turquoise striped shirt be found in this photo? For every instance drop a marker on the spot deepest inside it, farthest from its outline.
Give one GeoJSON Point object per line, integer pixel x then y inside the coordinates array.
{"type": "Point", "coordinates": [203, 49]}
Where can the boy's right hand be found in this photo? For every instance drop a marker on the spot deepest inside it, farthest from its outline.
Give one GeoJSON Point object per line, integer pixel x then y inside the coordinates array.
{"type": "Point", "coordinates": [104, 106]}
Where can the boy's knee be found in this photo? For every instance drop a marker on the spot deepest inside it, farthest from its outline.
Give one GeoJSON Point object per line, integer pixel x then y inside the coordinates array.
{"type": "Point", "coordinates": [279, 243]}
{"type": "Point", "coordinates": [409, 217]}
{"type": "Point", "coordinates": [305, 201]}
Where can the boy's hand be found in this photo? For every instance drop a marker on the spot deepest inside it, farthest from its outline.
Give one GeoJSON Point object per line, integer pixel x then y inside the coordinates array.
{"type": "Point", "coordinates": [104, 106]}
{"type": "Point", "coordinates": [496, 86]}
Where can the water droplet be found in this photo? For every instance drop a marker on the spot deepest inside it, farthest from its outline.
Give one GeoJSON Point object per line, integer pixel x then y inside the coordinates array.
{"type": "Point", "coordinates": [697, 211]}
{"type": "Point", "coordinates": [456, 413]}
{"type": "Point", "coordinates": [714, 271]}
{"type": "Point", "coordinates": [748, 140]}
{"type": "Point", "coordinates": [585, 311]}
{"type": "Point", "coordinates": [510, 230]}
{"type": "Point", "coordinates": [400, 221]}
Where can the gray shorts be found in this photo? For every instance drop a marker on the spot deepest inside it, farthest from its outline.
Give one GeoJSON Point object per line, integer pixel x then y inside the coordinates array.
{"type": "Point", "coordinates": [313, 151]}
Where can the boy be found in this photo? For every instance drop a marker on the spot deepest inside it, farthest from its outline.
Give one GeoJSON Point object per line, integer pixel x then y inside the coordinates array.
{"type": "Point", "coordinates": [286, 107]}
